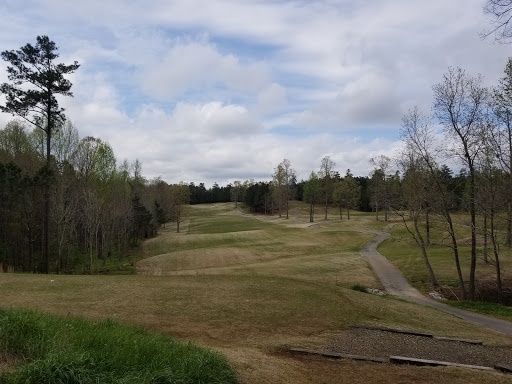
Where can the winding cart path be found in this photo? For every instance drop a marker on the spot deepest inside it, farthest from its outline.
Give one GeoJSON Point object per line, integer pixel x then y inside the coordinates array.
{"type": "Point", "coordinates": [395, 284]}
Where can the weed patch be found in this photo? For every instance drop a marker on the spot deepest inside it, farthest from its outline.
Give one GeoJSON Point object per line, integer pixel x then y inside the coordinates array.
{"type": "Point", "coordinates": [359, 288]}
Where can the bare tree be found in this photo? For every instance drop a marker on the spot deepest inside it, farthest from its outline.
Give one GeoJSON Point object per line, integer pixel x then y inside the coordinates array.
{"type": "Point", "coordinates": [499, 136]}
{"type": "Point", "coordinates": [491, 182]}
{"type": "Point", "coordinates": [279, 186]}
{"type": "Point", "coordinates": [416, 193]}
{"type": "Point", "coordinates": [418, 135]}
{"type": "Point", "coordinates": [325, 176]}
{"type": "Point", "coordinates": [236, 192]}
{"type": "Point", "coordinates": [381, 182]}
{"type": "Point", "coordinates": [500, 12]}
{"type": "Point", "coordinates": [289, 179]}
{"type": "Point", "coordinates": [180, 195]}
{"type": "Point", "coordinates": [460, 105]}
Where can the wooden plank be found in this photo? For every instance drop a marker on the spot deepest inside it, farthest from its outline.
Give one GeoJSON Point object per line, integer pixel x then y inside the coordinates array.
{"type": "Point", "coordinates": [503, 368]}
{"type": "Point", "coordinates": [469, 341]}
{"type": "Point", "coordinates": [362, 358]}
{"type": "Point", "coordinates": [433, 363]}
{"type": "Point", "coordinates": [394, 331]}
{"type": "Point", "coordinates": [336, 355]}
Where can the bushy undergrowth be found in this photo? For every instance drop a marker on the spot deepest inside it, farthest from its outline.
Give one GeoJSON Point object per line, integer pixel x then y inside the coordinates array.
{"type": "Point", "coordinates": [51, 349]}
{"type": "Point", "coordinates": [359, 288]}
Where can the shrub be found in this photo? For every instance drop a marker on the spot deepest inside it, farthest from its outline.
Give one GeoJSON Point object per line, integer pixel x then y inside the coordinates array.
{"type": "Point", "coordinates": [359, 287]}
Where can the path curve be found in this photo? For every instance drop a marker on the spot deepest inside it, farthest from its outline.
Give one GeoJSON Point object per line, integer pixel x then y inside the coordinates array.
{"type": "Point", "coordinates": [395, 284]}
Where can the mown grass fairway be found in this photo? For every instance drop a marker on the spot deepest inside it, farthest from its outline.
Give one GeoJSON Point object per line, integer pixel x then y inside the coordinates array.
{"type": "Point", "coordinates": [247, 286]}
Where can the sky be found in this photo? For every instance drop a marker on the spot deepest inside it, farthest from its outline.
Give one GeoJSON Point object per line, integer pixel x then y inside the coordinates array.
{"type": "Point", "coordinates": [217, 91]}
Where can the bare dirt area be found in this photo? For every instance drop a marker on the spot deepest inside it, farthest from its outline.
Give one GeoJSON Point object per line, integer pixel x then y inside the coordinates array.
{"type": "Point", "coordinates": [383, 344]}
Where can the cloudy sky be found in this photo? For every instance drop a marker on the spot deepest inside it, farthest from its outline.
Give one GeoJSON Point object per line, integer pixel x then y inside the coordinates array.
{"type": "Point", "coordinates": [223, 90]}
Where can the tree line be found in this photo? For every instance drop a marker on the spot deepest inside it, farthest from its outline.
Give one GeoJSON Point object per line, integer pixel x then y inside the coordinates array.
{"type": "Point", "coordinates": [66, 205]}
{"type": "Point", "coordinates": [97, 208]}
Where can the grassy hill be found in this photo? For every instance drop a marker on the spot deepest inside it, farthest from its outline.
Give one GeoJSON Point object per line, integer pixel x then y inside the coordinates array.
{"type": "Point", "coordinates": [247, 286]}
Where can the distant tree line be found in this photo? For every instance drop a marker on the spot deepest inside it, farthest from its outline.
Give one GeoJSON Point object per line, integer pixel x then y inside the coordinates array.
{"type": "Point", "coordinates": [377, 192]}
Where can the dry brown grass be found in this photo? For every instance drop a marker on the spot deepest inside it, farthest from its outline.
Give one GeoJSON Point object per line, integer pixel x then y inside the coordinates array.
{"type": "Point", "coordinates": [249, 319]}
{"type": "Point", "coordinates": [248, 294]}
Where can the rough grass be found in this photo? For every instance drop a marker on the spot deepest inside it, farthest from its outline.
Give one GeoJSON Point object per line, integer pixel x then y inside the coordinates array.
{"type": "Point", "coordinates": [405, 254]}
{"type": "Point", "coordinates": [51, 349]}
{"type": "Point", "coordinates": [484, 307]}
{"type": "Point", "coordinates": [284, 284]}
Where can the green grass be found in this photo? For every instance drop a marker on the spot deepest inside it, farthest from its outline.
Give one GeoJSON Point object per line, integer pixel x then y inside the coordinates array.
{"type": "Point", "coordinates": [219, 239]}
{"type": "Point", "coordinates": [485, 307]}
{"type": "Point", "coordinates": [401, 249]}
{"type": "Point", "coordinates": [245, 285]}
{"type": "Point", "coordinates": [359, 288]}
{"type": "Point", "coordinates": [51, 349]}
{"type": "Point", "coordinates": [224, 225]}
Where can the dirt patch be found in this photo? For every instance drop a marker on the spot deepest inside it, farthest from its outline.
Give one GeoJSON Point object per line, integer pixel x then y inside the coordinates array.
{"type": "Point", "coordinates": [384, 344]}
{"type": "Point", "coordinates": [7, 364]}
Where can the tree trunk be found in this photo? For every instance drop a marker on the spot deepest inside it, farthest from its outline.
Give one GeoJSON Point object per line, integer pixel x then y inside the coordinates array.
{"type": "Point", "coordinates": [178, 218]}
{"type": "Point", "coordinates": [46, 224]}
{"type": "Point", "coordinates": [509, 206]}
{"type": "Point", "coordinates": [348, 213]}
{"type": "Point", "coordinates": [472, 209]}
{"type": "Point", "coordinates": [456, 254]}
{"type": "Point", "coordinates": [91, 240]}
{"type": "Point", "coordinates": [341, 216]}
{"type": "Point", "coordinates": [509, 220]}
{"type": "Point", "coordinates": [486, 256]}
{"type": "Point", "coordinates": [421, 243]}
{"type": "Point", "coordinates": [427, 224]}
{"type": "Point", "coordinates": [496, 259]}
{"type": "Point", "coordinates": [311, 212]}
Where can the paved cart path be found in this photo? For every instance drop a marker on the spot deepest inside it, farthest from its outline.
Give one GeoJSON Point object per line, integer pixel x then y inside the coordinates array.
{"type": "Point", "coordinates": [395, 284]}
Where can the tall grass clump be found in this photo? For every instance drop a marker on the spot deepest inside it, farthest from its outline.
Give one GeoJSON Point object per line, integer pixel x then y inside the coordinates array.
{"type": "Point", "coordinates": [359, 288]}
{"type": "Point", "coordinates": [51, 349]}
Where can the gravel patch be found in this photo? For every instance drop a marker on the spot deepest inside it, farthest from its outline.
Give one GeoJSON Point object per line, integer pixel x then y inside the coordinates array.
{"type": "Point", "coordinates": [384, 344]}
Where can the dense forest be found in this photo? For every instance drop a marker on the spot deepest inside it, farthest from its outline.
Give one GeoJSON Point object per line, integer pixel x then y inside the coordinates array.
{"type": "Point", "coordinates": [98, 209]}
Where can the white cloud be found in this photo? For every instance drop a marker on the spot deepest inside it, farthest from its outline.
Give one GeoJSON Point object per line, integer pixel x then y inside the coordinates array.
{"type": "Point", "coordinates": [198, 65]}
{"type": "Point", "coordinates": [271, 99]}
{"type": "Point", "coordinates": [195, 89]}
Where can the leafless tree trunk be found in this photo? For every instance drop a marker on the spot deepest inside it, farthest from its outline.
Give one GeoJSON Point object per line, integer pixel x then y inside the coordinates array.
{"type": "Point", "coordinates": [459, 105]}
{"type": "Point", "coordinates": [417, 135]}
